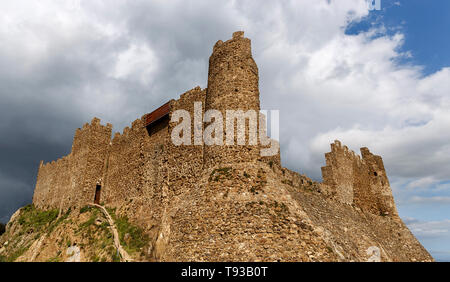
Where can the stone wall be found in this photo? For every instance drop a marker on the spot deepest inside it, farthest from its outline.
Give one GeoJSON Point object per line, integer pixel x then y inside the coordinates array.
{"type": "Point", "coordinates": [89, 152]}
{"type": "Point", "coordinates": [52, 181]}
{"type": "Point", "coordinates": [358, 181]}
{"type": "Point", "coordinates": [145, 170]}
{"type": "Point", "coordinates": [185, 162]}
{"type": "Point", "coordinates": [133, 175]}
{"type": "Point", "coordinates": [139, 171]}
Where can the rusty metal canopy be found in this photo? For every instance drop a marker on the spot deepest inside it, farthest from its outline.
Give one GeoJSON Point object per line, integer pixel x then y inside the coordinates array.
{"type": "Point", "coordinates": [157, 114]}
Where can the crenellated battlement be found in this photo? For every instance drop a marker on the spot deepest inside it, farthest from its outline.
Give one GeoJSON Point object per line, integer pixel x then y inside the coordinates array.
{"type": "Point", "coordinates": [190, 95]}
{"type": "Point", "coordinates": [338, 149]}
{"type": "Point", "coordinates": [91, 135]}
{"type": "Point", "coordinates": [358, 181]}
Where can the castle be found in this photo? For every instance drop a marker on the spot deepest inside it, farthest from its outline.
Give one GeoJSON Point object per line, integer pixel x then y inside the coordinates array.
{"type": "Point", "coordinates": [143, 156]}
{"type": "Point", "coordinates": [209, 202]}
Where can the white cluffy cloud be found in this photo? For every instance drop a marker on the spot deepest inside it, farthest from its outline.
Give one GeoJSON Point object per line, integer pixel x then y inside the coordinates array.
{"type": "Point", "coordinates": [433, 234]}
{"type": "Point", "coordinates": [137, 62]}
{"type": "Point", "coordinates": [429, 229]}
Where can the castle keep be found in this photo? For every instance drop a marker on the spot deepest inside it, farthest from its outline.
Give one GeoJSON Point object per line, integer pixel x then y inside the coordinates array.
{"type": "Point", "coordinates": [226, 202]}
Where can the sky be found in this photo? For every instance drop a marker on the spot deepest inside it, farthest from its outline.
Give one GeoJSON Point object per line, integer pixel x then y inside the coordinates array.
{"type": "Point", "coordinates": [334, 70]}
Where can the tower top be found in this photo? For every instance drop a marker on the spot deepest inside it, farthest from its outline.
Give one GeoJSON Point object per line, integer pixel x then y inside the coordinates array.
{"type": "Point", "coordinates": [238, 34]}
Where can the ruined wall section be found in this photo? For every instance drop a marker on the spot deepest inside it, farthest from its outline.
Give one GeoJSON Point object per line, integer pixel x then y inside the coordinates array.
{"type": "Point", "coordinates": [146, 171]}
{"type": "Point", "coordinates": [149, 210]}
{"type": "Point", "coordinates": [232, 85]}
{"type": "Point", "coordinates": [357, 181]}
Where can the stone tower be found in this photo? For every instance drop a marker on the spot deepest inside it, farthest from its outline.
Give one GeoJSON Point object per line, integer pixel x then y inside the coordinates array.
{"type": "Point", "coordinates": [232, 85]}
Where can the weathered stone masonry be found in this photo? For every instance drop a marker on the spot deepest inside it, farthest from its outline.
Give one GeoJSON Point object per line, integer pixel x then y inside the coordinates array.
{"type": "Point", "coordinates": [358, 181]}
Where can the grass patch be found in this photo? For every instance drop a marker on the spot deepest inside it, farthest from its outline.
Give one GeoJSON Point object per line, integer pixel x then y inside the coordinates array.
{"type": "Point", "coordinates": [30, 217]}
{"type": "Point", "coordinates": [16, 254]}
{"type": "Point", "coordinates": [99, 237]}
{"type": "Point", "coordinates": [136, 240]}
{"type": "Point", "coordinates": [33, 223]}
{"type": "Point", "coordinates": [91, 220]}
{"type": "Point", "coordinates": [85, 209]}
